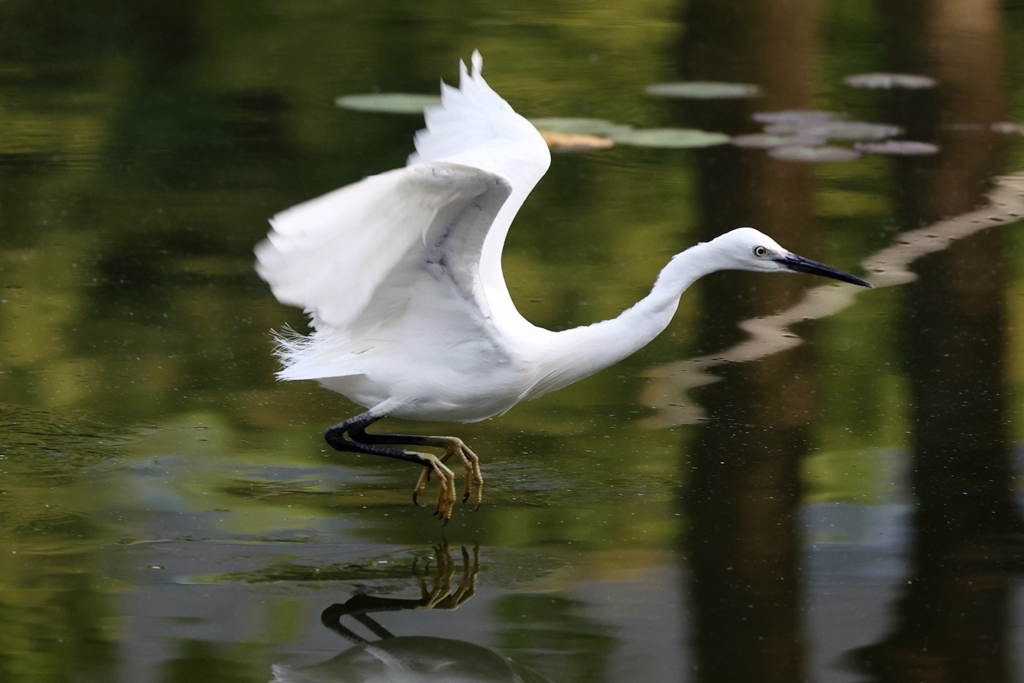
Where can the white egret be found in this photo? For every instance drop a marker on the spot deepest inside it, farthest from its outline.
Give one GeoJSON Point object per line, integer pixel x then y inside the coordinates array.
{"type": "Point", "coordinates": [401, 276]}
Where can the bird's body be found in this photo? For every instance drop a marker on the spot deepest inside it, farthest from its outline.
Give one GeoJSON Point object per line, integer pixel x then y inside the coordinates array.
{"type": "Point", "coordinates": [401, 276]}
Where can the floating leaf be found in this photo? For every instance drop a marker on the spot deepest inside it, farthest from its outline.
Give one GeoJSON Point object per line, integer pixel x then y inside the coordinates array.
{"type": "Point", "coordinates": [578, 126]}
{"type": "Point", "coordinates": [389, 103]}
{"type": "Point", "coordinates": [703, 90]}
{"type": "Point", "coordinates": [965, 127]}
{"type": "Point", "coordinates": [814, 154]}
{"type": "Point", "coordinates": [676, 138]}
{"type": "Point", "coordinates": [898, 147]}
{"type": "Point", "coordinates": [765, 141]}
{"type": "Point", "coordinates": [802, 118]}
{"type": "Point", "coordinates": [1007, 128]}
{"type": "Point", "coordinates": [574, 142]}
{"type": "Point", "coordinates": [889, 81]}
{"type": "Point", "coordinates": [851, 130]}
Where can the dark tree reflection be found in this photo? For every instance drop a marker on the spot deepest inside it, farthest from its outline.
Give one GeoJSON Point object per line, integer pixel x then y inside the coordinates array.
{"type": "Point", "coordinates": [951, 622]}
{"type": "Point", "coordinates": [744, 495]}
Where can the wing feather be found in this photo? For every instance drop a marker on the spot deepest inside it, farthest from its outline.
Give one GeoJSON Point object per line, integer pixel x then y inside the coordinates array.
{"type": "Point", "coordinates": [476, 127]}
{"type": "Point", "coordinates": [333, 254]}
{"type": "Point", "coordinates": [368, 262]}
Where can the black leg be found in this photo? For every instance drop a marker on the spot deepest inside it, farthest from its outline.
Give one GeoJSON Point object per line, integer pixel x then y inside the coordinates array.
{"type": "Point", "coordinates": [451, 445]}
{"type": "Point", "coordinates": [361, 442]}
{"type": "Point", "coordinates": [358, 441]}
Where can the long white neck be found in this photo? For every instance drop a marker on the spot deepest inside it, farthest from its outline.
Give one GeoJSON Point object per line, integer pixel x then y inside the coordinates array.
{"type": "Point", "coordinates": [580, 352]}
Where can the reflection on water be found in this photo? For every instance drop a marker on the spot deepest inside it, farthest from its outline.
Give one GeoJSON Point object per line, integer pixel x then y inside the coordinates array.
{"type": "Point", "coordinates": [770, 334]}
{"type": "Point", "coordinates": [951, 620]}
{"type": "Point", "coordinates": [413, 658]}
{"type": "Point", "coordinates": [847, 509]}
{"type": "Point", "coordinates": [418, 658]}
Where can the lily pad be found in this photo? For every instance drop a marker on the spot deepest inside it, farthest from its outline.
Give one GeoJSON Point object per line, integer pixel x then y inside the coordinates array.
{"type": "Point", "coordinates": [798, 117]}
{"type": "Point", "coordinates": [885, 81]}
{"type": "Point", "coordinates": [674, 138]}
{"type": "Point", "coordinates": [765, 141]}
{"type": "Point", "coordinates": [1008, 128]}
{"type": "Point", "coordinates": [578, 126]}
{"type": "Point", "coordinates": [575, 142]}
{"type": "Point", "coordinates": [965, 127]}
{"type": "Point", "coordinates": [389, 103]}
{"type": "Point", "coordinates": [851, 130]}
{"type": "Point", "coordinates": [814, 154]}
{"type": "Point", "coordinates": [703, 90]}
{"type": "Point", "coordinates": [898, 147]}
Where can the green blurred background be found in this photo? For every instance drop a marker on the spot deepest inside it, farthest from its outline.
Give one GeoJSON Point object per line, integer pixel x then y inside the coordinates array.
{"type": "Point", "coordinates": [155, 479]}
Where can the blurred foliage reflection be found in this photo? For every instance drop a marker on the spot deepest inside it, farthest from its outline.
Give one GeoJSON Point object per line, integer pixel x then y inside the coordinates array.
{"type": "Point", "coordinates": [145, 448]}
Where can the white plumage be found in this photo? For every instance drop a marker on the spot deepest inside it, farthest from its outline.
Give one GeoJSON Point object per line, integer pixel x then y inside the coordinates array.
{"type": "Point", "coordinates": [401, 276]}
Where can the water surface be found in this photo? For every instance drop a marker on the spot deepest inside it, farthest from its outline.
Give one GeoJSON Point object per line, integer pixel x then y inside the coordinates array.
{"type": "Point", "coordinates": [794, 482]}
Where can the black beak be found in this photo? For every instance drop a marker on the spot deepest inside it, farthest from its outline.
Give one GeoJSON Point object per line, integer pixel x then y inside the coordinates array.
{"type": "Point", "coordinates": [800, 264]}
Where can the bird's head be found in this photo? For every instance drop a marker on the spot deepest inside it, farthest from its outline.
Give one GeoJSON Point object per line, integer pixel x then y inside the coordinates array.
{"type": "Point", "coordinates": [750, 249]}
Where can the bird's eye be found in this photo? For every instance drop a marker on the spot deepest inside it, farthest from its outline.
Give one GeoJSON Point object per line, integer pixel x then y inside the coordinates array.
{"type": "Point", "coordinates": [760, 251]}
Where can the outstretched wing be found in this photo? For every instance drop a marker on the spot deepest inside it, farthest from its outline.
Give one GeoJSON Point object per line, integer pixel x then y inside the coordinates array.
{"type": "Point", "coordinates": [355, 259]}
{"type": "Point", "coordinates": [335, 255]}
{"type": "Point", "coordinates": [476, 127]}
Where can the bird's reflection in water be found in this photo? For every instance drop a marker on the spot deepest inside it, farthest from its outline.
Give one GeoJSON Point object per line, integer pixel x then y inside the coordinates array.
{"type": "Point", "coordinates": [419, 659]}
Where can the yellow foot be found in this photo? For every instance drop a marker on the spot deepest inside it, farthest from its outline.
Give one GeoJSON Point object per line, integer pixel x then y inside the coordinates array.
{"type": "Point", "coordinates": [445, 485]}
{"type": "Point", "coordinates": [474, 481]}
